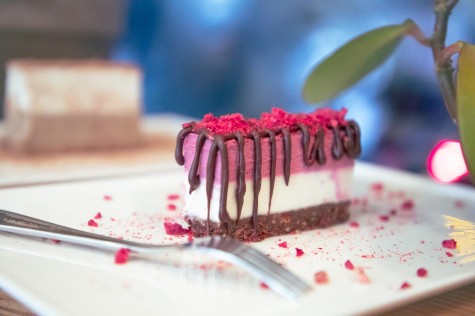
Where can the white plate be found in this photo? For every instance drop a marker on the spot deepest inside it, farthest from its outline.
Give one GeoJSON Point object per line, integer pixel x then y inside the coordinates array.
{"type": "Point", "coordinates": [61, 279]}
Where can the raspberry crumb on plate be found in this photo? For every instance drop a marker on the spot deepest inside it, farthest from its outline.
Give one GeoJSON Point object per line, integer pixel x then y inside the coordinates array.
{"type": "Point", "coordinates": [173, 197]}
{"type": "Point", "coordinates": [349, 265]}
{"type": "Point", "coordinates": [362, 276]}
{"type": "Point", "coordinates": [405, 285]}
{"type": "Point", "coordinates": [92, 223]}
{"type": "Point", "coordinates": [171, 207]}
{"type": "Point", "coordinates": [422, 272]}
{"type": "Point", "coordinates": [175, 229]}
{"type": "Point", "coordinates": [377, 186]}
{"type": "Point", "coordinates": [282, 244]}
{"type": "Point", "coordinates": [122, 255]}
{"type": "Point", "coordinates": [299, 252]}
{"type": "Point", "coordinates": [407, 205]}
{"type": "Point", "coordinates": [98, 215]}
{"type": "Point", "coordinates": [449, 244]}
{"type": "Point", "coordinates": [354, 224]}
{"type": "Point", "coordinates": [321, 277]}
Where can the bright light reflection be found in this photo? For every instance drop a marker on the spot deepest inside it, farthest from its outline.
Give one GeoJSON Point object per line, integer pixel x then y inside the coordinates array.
{"type": "Point", "coordinates": [446, 163]}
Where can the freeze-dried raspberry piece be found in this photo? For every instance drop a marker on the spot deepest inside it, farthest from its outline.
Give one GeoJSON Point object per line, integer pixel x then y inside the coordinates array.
{"type": "Point", "coordinates": [107, 197]}
{"type": "Point", "coordinates": [98, 215]}
{"type": "Point", "coordinates": [171, 207]}
{"type": "Point", "coordinates": [377, 186]}
{"type": "Point", "coordinates": [448, 254]}
{"type": "Point", "coordinates": [362, 276]}
{"type": "Point", "coordinates": [354, 224]}
{"type": "Point", "coordinates": [405, 285]}
{"type": "Point", "coordinates": [449, 244]}
{"type": "Point", "coordinates": [349, 265]}
{"type": "Point", "coordinates": [173, 197]}
{"type": "Point", "coordinates": [282, 244]}
{"type": "Point", "coordinates": [407, 205]}
{"type": "Point", "coordinates": [92, 223]}
{"type": "Point", "coordinates": [321, 277]}
{"type": "Point", "coordinates": [122, 255]}
{"type": "Point", "coordinates": [384, 218]}
{"type": "Point", "coordinates": [175, 229]}
{"type": "Point", "coordinates": [299, 252]}
{"type": "Point", "coordinates": [422, 272]}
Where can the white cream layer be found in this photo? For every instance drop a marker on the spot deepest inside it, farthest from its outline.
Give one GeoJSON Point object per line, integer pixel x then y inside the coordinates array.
{"type": "Point", "coordinates": [304, 190]}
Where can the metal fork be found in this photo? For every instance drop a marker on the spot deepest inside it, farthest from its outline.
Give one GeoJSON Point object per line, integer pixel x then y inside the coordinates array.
{"type": "Point", "coordinates": [256, 263]}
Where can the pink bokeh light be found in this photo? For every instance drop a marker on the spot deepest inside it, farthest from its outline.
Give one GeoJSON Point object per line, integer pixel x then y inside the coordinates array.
{"type": "Point", "coordinates": [445, 162]}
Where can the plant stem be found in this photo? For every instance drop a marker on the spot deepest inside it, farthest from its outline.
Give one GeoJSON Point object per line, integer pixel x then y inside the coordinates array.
{"type": "Point", "coordinates": [444, 70]}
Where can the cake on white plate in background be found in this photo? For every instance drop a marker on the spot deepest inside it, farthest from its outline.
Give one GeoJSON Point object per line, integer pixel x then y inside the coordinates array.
{"type": "Point", "coordinates": [55, 105]}
{"type": "Point", "coordinates": [255, 178]}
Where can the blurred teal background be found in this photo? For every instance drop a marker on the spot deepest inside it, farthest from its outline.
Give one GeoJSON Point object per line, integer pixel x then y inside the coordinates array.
{"type": "Point", "coordinates": [225, 56]}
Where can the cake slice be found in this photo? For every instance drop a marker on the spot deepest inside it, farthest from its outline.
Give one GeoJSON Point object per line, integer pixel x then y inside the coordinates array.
{"type": "Point", "coordinates": [255, 178]}
{"type": "Point", "coordinates": [57, 105]}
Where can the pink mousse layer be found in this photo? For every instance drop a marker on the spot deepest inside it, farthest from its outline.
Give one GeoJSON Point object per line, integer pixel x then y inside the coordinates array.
{"type": "Point", "coordinates": [297, 164]}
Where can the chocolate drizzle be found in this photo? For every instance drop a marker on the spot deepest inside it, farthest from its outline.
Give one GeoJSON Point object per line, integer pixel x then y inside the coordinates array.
{"type": "Point", "coordinates": [257, 175]}
{"type": "Point", "coordinates": [273, 161]}
{"type": "Point", "coordinates": [193, 177]}
{"type": "Point", "coordinates": [346, 140]}
{"type": "Point", "coordinates": [287, 154]}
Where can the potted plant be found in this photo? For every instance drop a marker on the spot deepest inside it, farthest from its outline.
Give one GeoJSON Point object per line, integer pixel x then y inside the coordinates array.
{"type": "Point", "coordinates": [354, 60]}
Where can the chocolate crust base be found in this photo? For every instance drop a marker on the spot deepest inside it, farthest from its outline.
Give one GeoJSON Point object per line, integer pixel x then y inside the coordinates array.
{"type": "Point", "coordinates": [320, 216]}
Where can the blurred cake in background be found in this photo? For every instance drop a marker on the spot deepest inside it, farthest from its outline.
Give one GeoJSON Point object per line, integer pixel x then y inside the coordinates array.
{"type": "Point", "coordinates": [57, 105]}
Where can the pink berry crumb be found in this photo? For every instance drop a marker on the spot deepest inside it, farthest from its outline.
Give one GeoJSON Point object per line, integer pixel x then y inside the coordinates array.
{"type": "Point", "coordinates": [263, 286]}
{"type": "Point", "coordinates": [449, 244]}
{"type": "Point", "coordinates": [98, 215]}
{"type": "Point", "coordinates": [384, 218]}
{"type": "Point", "coordinates": [321, 277]}
{"type": "Point", "coordinates": [362, 276]}
{"type": "Point", "coordinates": [422, 272]}
{"type": "Point", "coordinates": [354, 224]}
{"type": "Point", "coordinates": [122, 255]}
{"type": "Point", "coordinates": [407, 205]}
{"type": "Point", "coordinates": [282, 244]}
{"type": "Point", "coordinates": [405, 285]}
{"type": "Point", "coordinates": [92, 223]}
{"type": "Point", "coordinates": [107, 197]}
{"type": "Point", "coordinates": [349, 265]}
{"type": "Point", "coordinates": [378, 186]}
{"type": "Point", "coordinates": [175, 229]}
{"type": "Point", "coordinates": [171, 207]}
{"type": "Point", "coordinates": [448, 254]}
{"type": "Point", "coordinates": [173, 197]}
{"type": "Point", "coordinates": [299, 252]}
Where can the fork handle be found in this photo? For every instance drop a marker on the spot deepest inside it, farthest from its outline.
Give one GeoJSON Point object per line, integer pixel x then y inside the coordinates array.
{"type": "Point", "coordinates": [33, 227]}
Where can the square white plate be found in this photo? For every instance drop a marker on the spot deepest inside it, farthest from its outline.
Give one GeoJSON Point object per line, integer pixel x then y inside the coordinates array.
{"type": "Point", "coordinates": [392, 241]}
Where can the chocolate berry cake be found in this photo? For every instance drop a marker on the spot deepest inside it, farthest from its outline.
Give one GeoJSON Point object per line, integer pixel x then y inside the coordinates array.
{"type": "Point", "coordinates": [255, 178]}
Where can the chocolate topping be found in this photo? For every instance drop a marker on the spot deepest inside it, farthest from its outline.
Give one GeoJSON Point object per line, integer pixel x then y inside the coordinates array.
{"type": "Point", "coordinates": [257, 175]}
{"type": "Point", "coordinates": [179, 144]}
{"type": "Point", "coordinates": [287, 154]}
{"type": "Point", "coordinates": [241, 176]}
{"type": "Point", "coordinates": [346, 140]}
{"type": "Point", "coordinates": [273, 160]}
{"type": "Point", "coordinates": [193, 177]}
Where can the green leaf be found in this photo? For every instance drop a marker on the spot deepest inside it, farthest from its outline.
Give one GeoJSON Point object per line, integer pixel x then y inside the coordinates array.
{"type": "Point", "coordinates": [466, 104]}
{"type": "Point", "coordinates": [353, 61]}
